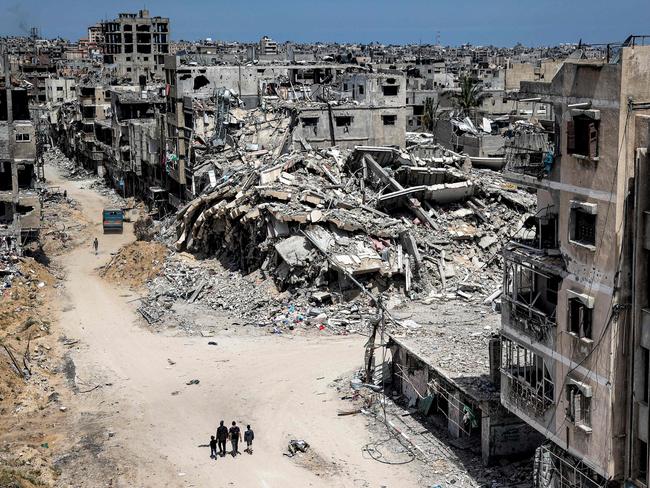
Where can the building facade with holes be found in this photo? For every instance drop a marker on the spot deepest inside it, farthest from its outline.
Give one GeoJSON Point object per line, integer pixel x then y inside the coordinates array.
{"type": "Point", "coordinates": [136, 44]}
{"type": "Point", "coordinates": [572, 351]}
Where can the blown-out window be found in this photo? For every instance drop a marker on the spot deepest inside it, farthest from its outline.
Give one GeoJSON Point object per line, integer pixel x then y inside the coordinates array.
{"type": "Point", "coordinates": [583, 133]}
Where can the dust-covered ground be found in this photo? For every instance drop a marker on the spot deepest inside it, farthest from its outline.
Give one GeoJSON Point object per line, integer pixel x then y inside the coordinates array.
{"type": "Point", "coordinates": [127, 403]}
{"type": "Point", "coordinates": [137, 418]}
{"type": "Point", "coordinates": [34, 388]}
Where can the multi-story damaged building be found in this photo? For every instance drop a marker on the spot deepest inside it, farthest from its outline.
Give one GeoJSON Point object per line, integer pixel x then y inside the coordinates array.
{"type": "Point", "coordinates": [130, 139]}
{"type": "Point", "coordinates": [20, 206]}
{"type": "Point", "coordinates": [575, 336]}
{"type": "Point", "coordinates": [268, 46]}
{"type": "Point", "coordinates": [371, 111]}
{"type": "Point", "coordinates": [94, 105]}
{"type": "Point", "coordinates": [60, 90]}
{"type": "Point", "coordinates": [136, 44]}
{"type": "Point", "coordinates": [250, 85]}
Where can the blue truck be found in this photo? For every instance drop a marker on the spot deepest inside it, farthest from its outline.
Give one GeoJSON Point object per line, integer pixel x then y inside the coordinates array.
{"type": "Point", "coordinates": [113, 220]}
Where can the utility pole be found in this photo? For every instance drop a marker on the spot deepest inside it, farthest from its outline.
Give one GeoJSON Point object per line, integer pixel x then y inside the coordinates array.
{"type": "Point", "coordinates": [376, 322]}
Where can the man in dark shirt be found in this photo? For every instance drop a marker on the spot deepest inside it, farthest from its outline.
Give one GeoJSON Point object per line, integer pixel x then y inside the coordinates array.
{"type": "Point", "coordinates": [222, 437]}
{"type": "Point", "coordinates": [235, 437]}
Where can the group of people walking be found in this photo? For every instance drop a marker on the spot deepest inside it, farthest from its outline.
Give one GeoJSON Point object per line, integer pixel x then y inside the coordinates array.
{"type": "Point", "coordinates": [234, 435]}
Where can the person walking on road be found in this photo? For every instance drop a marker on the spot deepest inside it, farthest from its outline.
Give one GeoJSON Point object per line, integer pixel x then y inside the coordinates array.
{"type": "Point", "coordinates": [96, 245]}
{"type": "Point", "coordinates": [213, 447]}
{"type": "Point", "coordinates": [249, 435]}
{"type": "Point", "coordinates": [235, 437]}
{"type": "Point", "coordinates": [222, 437]}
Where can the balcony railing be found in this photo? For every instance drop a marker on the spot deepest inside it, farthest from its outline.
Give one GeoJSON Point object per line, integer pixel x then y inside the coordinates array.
{"type": "Point", "coordinates": [529, 320]}
{"type": "Point", "coordinates": [529, 154]}
{"type": "Point", "coordinates": [532, 399]}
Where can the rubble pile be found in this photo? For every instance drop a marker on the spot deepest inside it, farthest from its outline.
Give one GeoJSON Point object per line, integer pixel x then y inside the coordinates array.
{"type": "Point", "coordinates": [71, 170]}
{"type": "Point", "coordinates": [324, 221]}
{"type": "Point", "coordinates": [252, 300]}
{"type": "Point", "coordinates": [288, 233]}
{"type": "Point", "coordinates": [9, 268]}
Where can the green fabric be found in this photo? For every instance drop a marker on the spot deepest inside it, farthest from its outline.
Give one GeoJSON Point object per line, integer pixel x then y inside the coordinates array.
{"type": "Point", "coordinates": [425, 404]}
{"type": "Point", "coordinates": [470, 414]}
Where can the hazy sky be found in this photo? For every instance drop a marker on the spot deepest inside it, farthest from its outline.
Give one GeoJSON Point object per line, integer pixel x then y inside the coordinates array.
{"type": "Point", "coordinates": [499, 22]}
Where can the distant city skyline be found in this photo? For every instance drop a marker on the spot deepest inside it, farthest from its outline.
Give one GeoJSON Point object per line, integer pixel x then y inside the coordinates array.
{"type": "Point", "coordinates": [501, 23]}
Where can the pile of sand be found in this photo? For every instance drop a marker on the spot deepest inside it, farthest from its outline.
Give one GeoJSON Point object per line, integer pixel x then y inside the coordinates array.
{"type": "Point", "coordinates": [135, 264]}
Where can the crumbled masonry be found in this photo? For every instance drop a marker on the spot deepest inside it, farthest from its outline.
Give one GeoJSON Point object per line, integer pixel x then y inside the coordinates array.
{"type": "Point", "coordinates": [314, 224]}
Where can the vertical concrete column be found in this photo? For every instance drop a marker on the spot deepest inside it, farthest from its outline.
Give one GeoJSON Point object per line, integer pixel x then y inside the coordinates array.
{"type": "Point", "coordinates": [494, 348]}
{"type": "Point", "coordinates": [486, 440]}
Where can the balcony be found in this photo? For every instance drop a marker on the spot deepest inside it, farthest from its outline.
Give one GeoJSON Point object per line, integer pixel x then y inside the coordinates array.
{"type": "Point", "coordinates": [529, 156]}
{"type": "Point", "coordinates": [526, 381]}
{"type": "Point", "coordinates": [528, 319]}
{"type": "Point", "coordinates": [539, 234]}
{"type": "Point", "coordinates": [531, 284]}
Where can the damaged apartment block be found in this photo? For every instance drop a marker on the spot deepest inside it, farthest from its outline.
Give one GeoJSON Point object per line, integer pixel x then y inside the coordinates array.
{"type": "Point", "coordinates": [574, 337]}
{"type": "Point", "coordinates": [20, 205]}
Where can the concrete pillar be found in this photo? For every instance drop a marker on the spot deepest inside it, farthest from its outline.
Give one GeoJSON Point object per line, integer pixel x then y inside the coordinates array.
{"type": "Point", "coordinates": [486, 440]}
{"type": "Point", "coordinates": [454, 414]}
{"type": "Point", "coordinates": [494, 349]}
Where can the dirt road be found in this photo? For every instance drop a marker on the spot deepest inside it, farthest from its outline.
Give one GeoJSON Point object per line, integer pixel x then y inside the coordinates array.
{"type": "Point", "coordinates": [155, 425]}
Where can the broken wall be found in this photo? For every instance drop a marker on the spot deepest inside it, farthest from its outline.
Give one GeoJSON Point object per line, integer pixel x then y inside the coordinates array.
{"type": "Point", "coordinates": [350, 125]}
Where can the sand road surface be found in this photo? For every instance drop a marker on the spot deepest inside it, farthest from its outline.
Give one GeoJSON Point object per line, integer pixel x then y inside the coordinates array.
{"type": "Point", "coordinates": [150, 428]}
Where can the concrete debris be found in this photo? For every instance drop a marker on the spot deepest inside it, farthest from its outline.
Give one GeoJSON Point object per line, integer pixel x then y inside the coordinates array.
{"type": "Point", "coordinates": [71, 170]}
{"type": "Point", "coordinates": [400, 223]}
{"type": "Point", "coordinates": [296, 446]}
{"type": "Point", "coordinates": [289, 240]}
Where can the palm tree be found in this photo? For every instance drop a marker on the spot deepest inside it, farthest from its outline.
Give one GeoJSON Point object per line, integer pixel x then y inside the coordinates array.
{"type": "Point", "coordinates": [471, 94]}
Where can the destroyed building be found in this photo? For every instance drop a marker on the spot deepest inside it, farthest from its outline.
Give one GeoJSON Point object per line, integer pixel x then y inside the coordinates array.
{"type": "Point", "coordinates": [458, 388]}
{"type": "Point", "coordinates": [136, 44]}
{"type": "Point", "coordinates": [20, 205]}
{"type": "Point", "coordinates": [95, 105]}
{"type": "Point", "coordinates": [327, 107]}
{"type": "Point", "coordinates": [130, 139]}
{"type": "Point", "coordinates": [574, 337]}
{"type": "Point", "coordinates": [268, 46]}
{"type": "Point", "coordinates": [371, 111]}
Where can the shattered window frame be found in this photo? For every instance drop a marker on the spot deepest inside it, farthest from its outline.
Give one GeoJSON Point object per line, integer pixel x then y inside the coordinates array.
{"type": "Point", "coordinates": [583, 227]}
{"type": "Point", "coordinates": [343, 120]}
{"type": "Point", "coordinates": [580, 319]}
{"type": "Point", "coordinates": [531, 383]}
{"type": "Point", "coordinates": [578, 410]}
{"type": "Point", "coordinates": [583, 137]}
{"type": "Point", "coordinates": [390, 90]}
{"type": "Point", "coordinates": [309, 121]}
